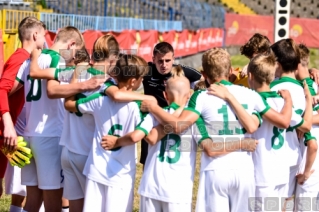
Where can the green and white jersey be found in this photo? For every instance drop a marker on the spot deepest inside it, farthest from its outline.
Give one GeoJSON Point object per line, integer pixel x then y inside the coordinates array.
{"type": "Point", "coordinates": [169, 168]}
{"type": "Point", "coordinates": [44, 116]}
{"type": "Point", "coordinates": [66, 74]}
{"type": "Point", "coordinates": [78, 128]}
{"type": "Point", "coordinates": [115, 167]}
{"type": "Point", "coordinates": [271, 153]}
{"type": "Point", "coordinates": [299, 103]}
{"type": "Point", "coordinates": [221, 124]}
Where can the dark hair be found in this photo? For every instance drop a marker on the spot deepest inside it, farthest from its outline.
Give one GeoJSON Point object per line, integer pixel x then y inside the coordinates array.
{"type": "Point", "coordinates": [129, 66]}
{"type": "Point", "coordinates": [287, 54]}
{"type": "Point", "coordinates": [163, 48]}
{"type": "Point", "coordinates": [257, 44]}
{"type": "Point", "coordinates": [81, 55]}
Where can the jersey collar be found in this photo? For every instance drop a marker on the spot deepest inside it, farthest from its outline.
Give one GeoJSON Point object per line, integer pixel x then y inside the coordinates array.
{"type": "Point", "coordinates": [225, 82]}
{"type": "Point", "coordinates": [174, 106]}
{"type": "Point", "coordinates": [269, 94]}
{"type": "Point", "coordinates": [285, 79]}
{"type": "Point", "coordinates": [310, 82]}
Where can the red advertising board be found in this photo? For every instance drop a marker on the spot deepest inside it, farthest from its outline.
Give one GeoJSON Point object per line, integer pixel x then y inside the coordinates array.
{"type": "Point", "coordinates": [240, 28]}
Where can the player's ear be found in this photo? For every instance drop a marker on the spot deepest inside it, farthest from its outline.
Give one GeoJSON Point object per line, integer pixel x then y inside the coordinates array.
{"type": "Point", "coordinates": [133, 81]}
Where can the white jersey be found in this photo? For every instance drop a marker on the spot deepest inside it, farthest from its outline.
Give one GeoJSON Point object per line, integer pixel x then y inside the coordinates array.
{"type": "Point", "coordinates": [169, 168]}
{"type": "Point", "coordinates": [299, 103]}
{"type": "Point", "coordinates": [78, 128]}
{"type": "Point", "coordinates": [270, 155]}
{"type": "Point", "coordinates": [44, 116]}
{"type": "Point", "coordinates": [21, 121]}
{"type": "Point", "coordinates": [222, 124]}
{"type": "Point", "coordinates": [114, 167]}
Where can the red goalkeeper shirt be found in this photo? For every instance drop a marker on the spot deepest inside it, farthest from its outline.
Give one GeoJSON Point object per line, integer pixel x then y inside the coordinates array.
{"type": "Point", "coordinates": [15, 102]}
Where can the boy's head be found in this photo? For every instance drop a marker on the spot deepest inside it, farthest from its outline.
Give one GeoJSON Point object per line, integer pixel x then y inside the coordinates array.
{"type": "Point", "coordinates": [261, 69]}
{"type": "Point", "coordinates": [105, 51]}
{"type": "Point", "coordinates": [287, 55]}
{"type": "Point", "coordinates": [71, 39]}
{"type": "Point", "coordinates": [201, 85]}
{"type": "Point", "coordinates": [129, 71]}
{"type": "Point", "coordinates": [32, 30]}
{"type": "Point", "coordinates": [303, 71]}
{"type": "Point", "coordinates": [216, 65]}
{"type": "Point", "coordinates": [81, 56]}
{"type": "Point", "coordinates": [257, 44]}
{"type": "Point", "coordinates": [177, 86]}
{"type": "Point", "coordinates": [163, 57]}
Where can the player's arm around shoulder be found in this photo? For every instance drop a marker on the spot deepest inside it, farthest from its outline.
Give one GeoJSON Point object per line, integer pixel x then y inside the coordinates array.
{"type": "Point", "coordinates": [57, 90]}
{"type": "Point", "coordinates": [142, 129]}
{"type": "Point", "coordinates": [213, 149]}
{"type": "Point", "coordinates": [35, 71]}
{"type": "Point", "coordinates": [118, 95]}
{"type": "Point", "coordinates": [282, 119]}
{"type": "Point", "coordinates": [308, 114]}
{"type": "Point", "coordinates": [249, 121]}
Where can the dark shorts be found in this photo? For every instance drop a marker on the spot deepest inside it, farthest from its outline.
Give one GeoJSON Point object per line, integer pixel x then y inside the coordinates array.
{"type": "Point", "coordinates": [144, 151]}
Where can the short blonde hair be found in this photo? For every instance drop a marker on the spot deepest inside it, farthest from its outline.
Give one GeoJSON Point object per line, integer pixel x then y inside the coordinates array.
{"type": "Point", "coordinates": [67, 33]}
{"type": "Point", "coordinates": [105, 46]}
{"type": "Point", "coordinates": [25, 26]}
{"type": "Point", "coordinates": [216, 63]}
{"type": "Point", "coordinates": [263, 67]}
{"type": "Point", "coordinates": [177, 71]}
{"type": "Point", "coordinates": [304, 55]}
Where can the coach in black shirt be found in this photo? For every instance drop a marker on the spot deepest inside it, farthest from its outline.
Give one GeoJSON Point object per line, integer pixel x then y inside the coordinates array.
{"type": "Point", "coordinates": [159, 72]}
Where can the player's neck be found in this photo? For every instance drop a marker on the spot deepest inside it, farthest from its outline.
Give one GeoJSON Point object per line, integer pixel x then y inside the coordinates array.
{"type": "Point", "coordinates": [180, 101]}
{"type": "Point", "coordinates": [219, 79]}
{"type": "Point", "coordinates": [58, 46]}
{"type": "Point", "coordinates": [289, 74]}
{"type": "Point", "coordinates": [124, 87]}
{"type": "Point", "coordinates": [29, 46]}
{"type": "Point", "coordinates": [262, 87]}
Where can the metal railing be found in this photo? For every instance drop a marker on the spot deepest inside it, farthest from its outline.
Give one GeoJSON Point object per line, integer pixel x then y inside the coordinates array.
{"type": "Point", "coordinates": [116, 24]}
{"type": "Point", "coordinates": [11, 19]}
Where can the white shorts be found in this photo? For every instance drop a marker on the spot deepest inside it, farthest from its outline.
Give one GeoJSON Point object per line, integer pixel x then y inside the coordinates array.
{"type": "Point", "coordinates": [74, 180]}
{"type": "Point", "coordinates": [306, 200]}
{"type": "Point", "coordinates": [103, 198]}
{"type": "Point", "coordinates": [288, 205]}
{"type": "Point", "coordinates": [153, 205]}
{"type": "Point", "coordinates": [12, 180]}
{"type": "Point", "coordinates": [265, 196]}
{"type": "Point", "coordinates": [225, 190]}
{"type": "Point", "coordinates": [45, 169]}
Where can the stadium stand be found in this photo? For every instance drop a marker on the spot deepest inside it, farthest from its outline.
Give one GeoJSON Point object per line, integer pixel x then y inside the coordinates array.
{"type": "Point", "coordinates": [299, 8]}
{"type": "Point", "coordinates": [193, 14]}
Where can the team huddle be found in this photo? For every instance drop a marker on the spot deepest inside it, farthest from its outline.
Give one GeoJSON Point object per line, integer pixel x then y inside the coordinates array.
{"type": "Point", "coordinates": [81, 119]}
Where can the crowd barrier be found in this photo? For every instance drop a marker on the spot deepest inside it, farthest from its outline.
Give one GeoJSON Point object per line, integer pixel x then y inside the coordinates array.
{"type": "Point", "coordinates": [185, 42]}
{"type": "Point", "coordinates": [239, 28]}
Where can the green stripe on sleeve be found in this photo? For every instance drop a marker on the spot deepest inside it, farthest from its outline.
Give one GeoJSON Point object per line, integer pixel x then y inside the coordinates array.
{"type": "Point", "coordinates": [201, 126]}
{"type": "Point", "coordinates": [308, 137]}
{"type": "Point", "coordinates": [19, 80]}
{"type": "Point", "coordinates": [192, 110]}
{"type": "Point", "coordinates": [87, 99]}
{"type": "Point", "coordinates": [265, 110]}
{"type": "Point", "coordinates": [142, 129]}
{"type": "Point", "coordinates": [259, 118]}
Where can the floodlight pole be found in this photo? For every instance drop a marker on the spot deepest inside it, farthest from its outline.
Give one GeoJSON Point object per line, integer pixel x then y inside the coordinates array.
{"type": "Point", "coordinates": [282, 19]}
